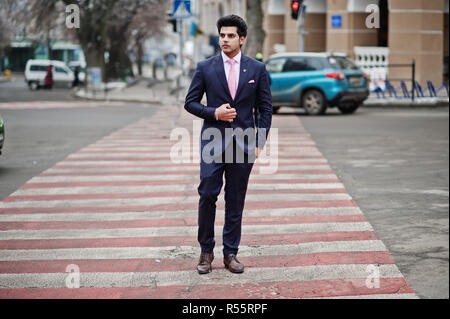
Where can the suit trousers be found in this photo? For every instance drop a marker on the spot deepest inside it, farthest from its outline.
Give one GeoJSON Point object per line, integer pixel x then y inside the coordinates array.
{"type": "Point", "coordinates": [211, 182]}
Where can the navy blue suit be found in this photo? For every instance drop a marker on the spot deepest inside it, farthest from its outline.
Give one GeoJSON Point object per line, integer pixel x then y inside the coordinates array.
{"type": "Point", "coordinates": [253, 91]}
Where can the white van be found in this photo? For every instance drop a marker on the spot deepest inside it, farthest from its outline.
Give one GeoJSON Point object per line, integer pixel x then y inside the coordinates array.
{"type": "Point", "coordinates": [36, 70]}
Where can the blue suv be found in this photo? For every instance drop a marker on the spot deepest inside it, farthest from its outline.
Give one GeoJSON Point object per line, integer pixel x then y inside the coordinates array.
{"type": "Point", "coordinates": [315, 81]}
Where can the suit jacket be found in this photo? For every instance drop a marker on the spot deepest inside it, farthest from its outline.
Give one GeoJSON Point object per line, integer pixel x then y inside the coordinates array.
{"type": "Point", "coordinates": [253, 91]}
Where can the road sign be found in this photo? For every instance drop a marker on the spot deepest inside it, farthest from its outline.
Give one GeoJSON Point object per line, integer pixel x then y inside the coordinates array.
{"type": "Point", "coordinates": [336, 21]}
{"type": "Point", "coordinates": [182, 9]}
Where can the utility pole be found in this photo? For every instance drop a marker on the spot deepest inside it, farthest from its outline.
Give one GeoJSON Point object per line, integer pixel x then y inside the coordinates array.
{"type": "Point", "coordinates": [301, 28]}
{"type": "Point", "coordinates": [298, 14]}
{"type": "Point", "coordinates": [180, 33]}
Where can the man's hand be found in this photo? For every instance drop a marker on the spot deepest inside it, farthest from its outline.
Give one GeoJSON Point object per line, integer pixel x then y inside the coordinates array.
{"type": "Point", "coordinates": [226, 113]}
{"type": "Point", "coordinates": [257, 151]}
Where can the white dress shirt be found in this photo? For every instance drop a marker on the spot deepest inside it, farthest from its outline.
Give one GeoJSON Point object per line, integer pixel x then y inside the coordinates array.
{"type": "Point", "coordinates": [237, 58]}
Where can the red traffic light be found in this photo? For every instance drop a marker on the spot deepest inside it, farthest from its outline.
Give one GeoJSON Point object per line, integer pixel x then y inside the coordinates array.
{"type": "Point", "coordinates": [295, 8]}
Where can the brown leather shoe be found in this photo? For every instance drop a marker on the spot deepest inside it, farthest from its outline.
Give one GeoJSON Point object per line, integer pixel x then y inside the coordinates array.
{"type": "Point", "coordinates": [232, 264]}
{"type": "Point", "coordinates": [204, 263]}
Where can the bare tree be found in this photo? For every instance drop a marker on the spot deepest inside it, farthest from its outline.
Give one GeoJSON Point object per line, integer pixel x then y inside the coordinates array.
{"type": "Point", "coordinates": [106, 26]}
{"type": "Point", "coordinates": [255, 33]}
{"type": "Point", "coordinates": [147, 23]}
{"type": "Point", "coordinates": [8, 12]}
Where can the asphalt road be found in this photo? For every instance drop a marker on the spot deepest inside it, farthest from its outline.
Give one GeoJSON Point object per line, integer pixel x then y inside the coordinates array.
{"type": "Point", "coordinates": [393, 162]}
{"type": "Point", "coordinates": [17, 90]}
{"type": "Point", "coordinates": [37, 139]}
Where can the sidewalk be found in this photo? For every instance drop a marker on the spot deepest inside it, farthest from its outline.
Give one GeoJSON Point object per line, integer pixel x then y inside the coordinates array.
{"type": "Point", "coordinates": [3, 79]}
{"type": "Point", "coordinates": [143, 90]}
{"type": "Point", "coordinates": [373, 100]}
{"type": "Point", "coordinates": [146, 90]}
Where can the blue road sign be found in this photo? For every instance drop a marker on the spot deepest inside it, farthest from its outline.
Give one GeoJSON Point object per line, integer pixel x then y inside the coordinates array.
{"type": "Point", "coordinates": [336, 21]}
{"type": "Point", "coordinates": [182, 9]}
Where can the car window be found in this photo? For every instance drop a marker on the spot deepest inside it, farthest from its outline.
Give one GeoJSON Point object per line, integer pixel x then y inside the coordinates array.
{"type": "Point", "coordinates": [37, 67]}
{"type": "Point", "coordinates": [296, 64]}
{"type": "Point", "coordinates": [60, 70]}
{"type": "Point", "coordinates": [342, 63]}
{"type": "Point", "coordinates": [317, 63]}
{"type": "Point", "coordinates": [275, 65]}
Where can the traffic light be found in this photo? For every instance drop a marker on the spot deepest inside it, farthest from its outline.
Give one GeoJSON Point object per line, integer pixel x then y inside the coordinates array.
{"type": "Point", "coordinates": [295, 8]}
{"type": "Point", "coordinates": [172, 21]}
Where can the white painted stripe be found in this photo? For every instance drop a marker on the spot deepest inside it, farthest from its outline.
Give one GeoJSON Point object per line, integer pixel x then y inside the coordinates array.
{"type": "Point", "coordinates": [166, 152]}
{"type": "Point", "coordinates": [180, 231]}
{"type": "Point", "coordinates": [176, 214]}
{"type": "Point", "coordinates": [169, 252]}
{"type": "Point", "coordinates": [163, 188]}
{"type": "Point", "coordinates": [154, 140]}
{"type": "Point", "coordinates": [165, 177]}
{"type": "Point", "coordinates": [168, 200]}
{"type": "Point", "coordinates": [191, 278]}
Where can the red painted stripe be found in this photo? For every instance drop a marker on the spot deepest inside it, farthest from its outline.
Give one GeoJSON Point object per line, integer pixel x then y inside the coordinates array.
{"type": "Point", "coordinates": [150, 173]}
{"type": "Point", "coordinates": [150, 158]}
{"type": "Point", "coordinates": [272, 290]}
{"type": "Point", "coordinates": [65, 197]}
{"type": "Point", "coordinates": [176, 207]}
{"type": "Point", "coordinates": [175, 222]}
{"type": "Point", "coordinates": [33, 185]}
{"type": "Point", "coordinates": [250, 239]}
{"type": "Point", "coordinates": [182, 264]}
{"type": "Point", "coordinates": [256, 165]}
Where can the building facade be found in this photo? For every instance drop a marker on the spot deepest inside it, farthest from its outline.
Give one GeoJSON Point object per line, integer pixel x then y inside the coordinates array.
{"type": "Point", "coordinates": [408, 29]}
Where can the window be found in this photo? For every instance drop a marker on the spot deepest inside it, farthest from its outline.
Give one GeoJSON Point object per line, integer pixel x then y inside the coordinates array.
{"type": "Point", "coordinates": [342, 63]}
{"type": "Point", "coordinates": [296, 64]}
{"type": "Point", "coordinates": [38, 68]}
{"type": "Point", "coordinates": [60, 70]}
{"type": "Point", "coordinates": [317, 63]}
{"type": "Point", "coordinates": [276, 65]}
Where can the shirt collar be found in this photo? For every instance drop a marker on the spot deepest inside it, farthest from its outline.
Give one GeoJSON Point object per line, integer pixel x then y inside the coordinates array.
{"type": "Point", "coordinates": [237, 58]}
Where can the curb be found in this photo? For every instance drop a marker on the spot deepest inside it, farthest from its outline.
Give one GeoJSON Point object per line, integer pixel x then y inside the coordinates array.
{"type": "Point", "coordinates": [407, 103]}
{"type": "Point", "coordinates": [109, 99]}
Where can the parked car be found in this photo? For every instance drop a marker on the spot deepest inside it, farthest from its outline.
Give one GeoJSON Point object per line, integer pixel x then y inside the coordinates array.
{"type": "Point", "coordinates": [2, 134]}
{"type": "Point", "coordinates": [315, 81]}
{"type": "Point", "coordinates": [36, 70]}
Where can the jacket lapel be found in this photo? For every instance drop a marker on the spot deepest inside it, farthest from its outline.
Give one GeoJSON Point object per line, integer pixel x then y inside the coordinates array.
{"type": "Point", "coordinates": [220, 71]}
{"type": "Point", "coordinates": [242, 75]}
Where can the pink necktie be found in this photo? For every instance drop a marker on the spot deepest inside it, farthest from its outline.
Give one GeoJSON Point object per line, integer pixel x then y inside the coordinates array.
{"type": "Point", "coordinates": [232, 78]}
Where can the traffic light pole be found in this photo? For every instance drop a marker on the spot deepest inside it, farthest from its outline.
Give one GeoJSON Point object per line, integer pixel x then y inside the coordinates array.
{"type": "Point", "coordinates": [301, 25]}
{"type": "Point", "coordinates": [180, 30]}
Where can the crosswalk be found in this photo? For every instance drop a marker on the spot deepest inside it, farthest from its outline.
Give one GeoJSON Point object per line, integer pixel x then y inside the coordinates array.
{"type": "Point", "coordinates": [126, 217]}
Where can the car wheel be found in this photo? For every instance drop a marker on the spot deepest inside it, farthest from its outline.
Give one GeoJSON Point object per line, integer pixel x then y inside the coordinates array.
{"type": "Point", "coordinates": [348, 109]}
{"type": "Point", "coordinates": [33, 85]}
{"type": "Point", "coordinates": [313, 102]}
{"type": "Point", "coordinates": [275, 109]}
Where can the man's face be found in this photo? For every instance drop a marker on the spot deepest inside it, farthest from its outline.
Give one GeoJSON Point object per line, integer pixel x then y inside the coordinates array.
{"type": "Point", "coordinates": [229, 41]}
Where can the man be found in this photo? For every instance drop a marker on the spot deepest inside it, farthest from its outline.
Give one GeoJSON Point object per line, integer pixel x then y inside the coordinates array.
{"type": "Point", "coordinates": [234, 85]}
